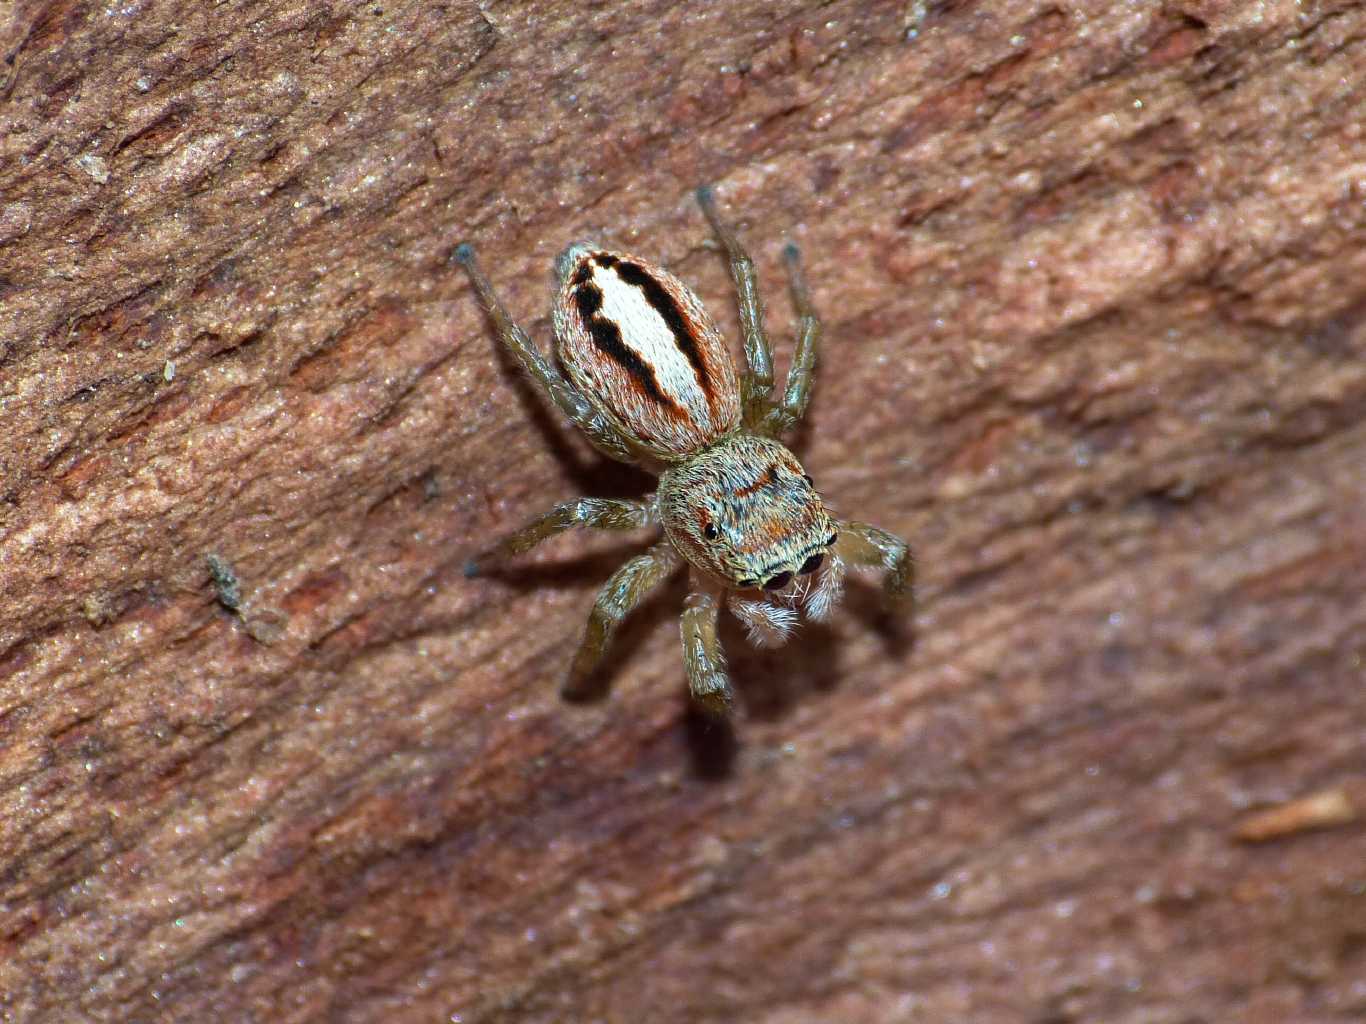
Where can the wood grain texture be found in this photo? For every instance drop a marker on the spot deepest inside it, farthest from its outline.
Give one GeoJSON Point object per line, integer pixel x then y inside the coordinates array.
{"type": "Point", "coordinates": [1094, 278]}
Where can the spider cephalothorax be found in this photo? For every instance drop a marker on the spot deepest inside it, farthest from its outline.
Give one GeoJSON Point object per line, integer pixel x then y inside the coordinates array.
{"type": "Point", "coordinates": [650, 380]}
{"type": "Point", "coordinates": [743, 511]}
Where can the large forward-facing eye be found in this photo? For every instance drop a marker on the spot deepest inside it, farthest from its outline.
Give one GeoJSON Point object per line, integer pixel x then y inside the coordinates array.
{"type": "Point", "coordinates": [778, 582]}
{"type": "Point", "coordinates": [812, 564]}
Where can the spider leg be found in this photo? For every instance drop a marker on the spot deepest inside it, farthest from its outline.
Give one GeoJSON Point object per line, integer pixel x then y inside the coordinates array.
{"type": "Point", "coordinates": [703, 658]}
{"type": "Point", "coordinates": [597, 513]}
{"type": "Point", "coordinates": [782, 418]}
{"type": "Point", "coordinates": [829, 588]}
{"type": "Point", "coordinates": [604, 436]}
{"type": "Point", "coordinates": [768, 625]}
{"type": "Point", "coordinates": [756, 383]}
{"type": "Point", "coordinates": [864, 546]}
{"type": "Point", "coordinates": [626, 588]}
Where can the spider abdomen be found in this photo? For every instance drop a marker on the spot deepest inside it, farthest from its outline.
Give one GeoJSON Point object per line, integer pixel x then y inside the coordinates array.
{"type": "Point", "coordinates": [639, 344]}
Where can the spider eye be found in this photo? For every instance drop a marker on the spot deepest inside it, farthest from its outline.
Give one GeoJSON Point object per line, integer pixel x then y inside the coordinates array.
{"type": "Point", "coordinates": [812, 564]}
{"type": "Point", "coordinates": [777, 582]}
{"type": "Point", "coordinates": [831, 541]}
{"type": "Point", "coordinates": [809, 481]}
{"type": "Point", "coordinates": [710, 532]}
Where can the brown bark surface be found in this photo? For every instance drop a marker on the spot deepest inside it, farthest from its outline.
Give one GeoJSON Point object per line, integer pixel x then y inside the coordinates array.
{"type": "Point", "coordinates": [1094, 279]}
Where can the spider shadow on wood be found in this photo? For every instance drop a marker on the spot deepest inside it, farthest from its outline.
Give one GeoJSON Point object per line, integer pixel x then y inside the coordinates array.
{"type": "Point", "coordinates": [893, 625]}
{"type": "Point", "coordinates": [711, 741]}
{"type": "Point", "coordinates": [769, 681]}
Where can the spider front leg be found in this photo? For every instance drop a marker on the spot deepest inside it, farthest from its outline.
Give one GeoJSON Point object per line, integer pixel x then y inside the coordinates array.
{"type": "Point", "coordinates": [864, 546]}
{"type": "Point", "coordinates": [756, 383]}
{"type": "Point", "coordinates": [702, 655]}
{"type": "Point", "coordinates": [627, 587]}
{"type": "Point", "coordinates": [603, 435]}
{"type": "Point", "coordinates": [597, 513]}
{"type": "Point", "coordinates": [782, 418]}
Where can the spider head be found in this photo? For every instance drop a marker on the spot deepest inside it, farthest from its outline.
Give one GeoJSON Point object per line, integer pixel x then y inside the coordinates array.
{"type": "Point", "coordinates": [745, 512]}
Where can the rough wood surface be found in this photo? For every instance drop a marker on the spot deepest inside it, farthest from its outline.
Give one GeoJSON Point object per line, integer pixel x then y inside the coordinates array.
{"type": "Point", "coordinates": [1095, 283]}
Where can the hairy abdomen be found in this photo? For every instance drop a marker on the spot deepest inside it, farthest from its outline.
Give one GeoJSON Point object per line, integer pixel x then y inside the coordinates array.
{"type": "Point", "coordinates": [637, 342]}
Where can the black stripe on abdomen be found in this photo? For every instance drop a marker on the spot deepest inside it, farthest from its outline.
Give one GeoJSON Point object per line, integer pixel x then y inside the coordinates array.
{"type": "Point", "coordinates": [659, 299]}
{"type": "Point", "coordinates": [606, 337]}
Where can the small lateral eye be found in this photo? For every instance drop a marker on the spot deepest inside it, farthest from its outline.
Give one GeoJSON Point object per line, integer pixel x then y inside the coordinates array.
{"type": "Point", "coordinates": [809, 481]}
{"type": "Point", "coordinates": [830, 542]}
{"type": "Point", "coordinates": [710, 531]}
{"type": "Point", "coordinates": [812, 564]}
{"type": "Point", "coordinates": [777, 582]}
{"type": "Point", "coordinates": [747, 583]}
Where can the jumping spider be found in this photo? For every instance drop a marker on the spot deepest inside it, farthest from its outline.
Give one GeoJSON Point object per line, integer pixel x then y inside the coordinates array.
{"type": "Point", "coordinates": [650, 381]}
